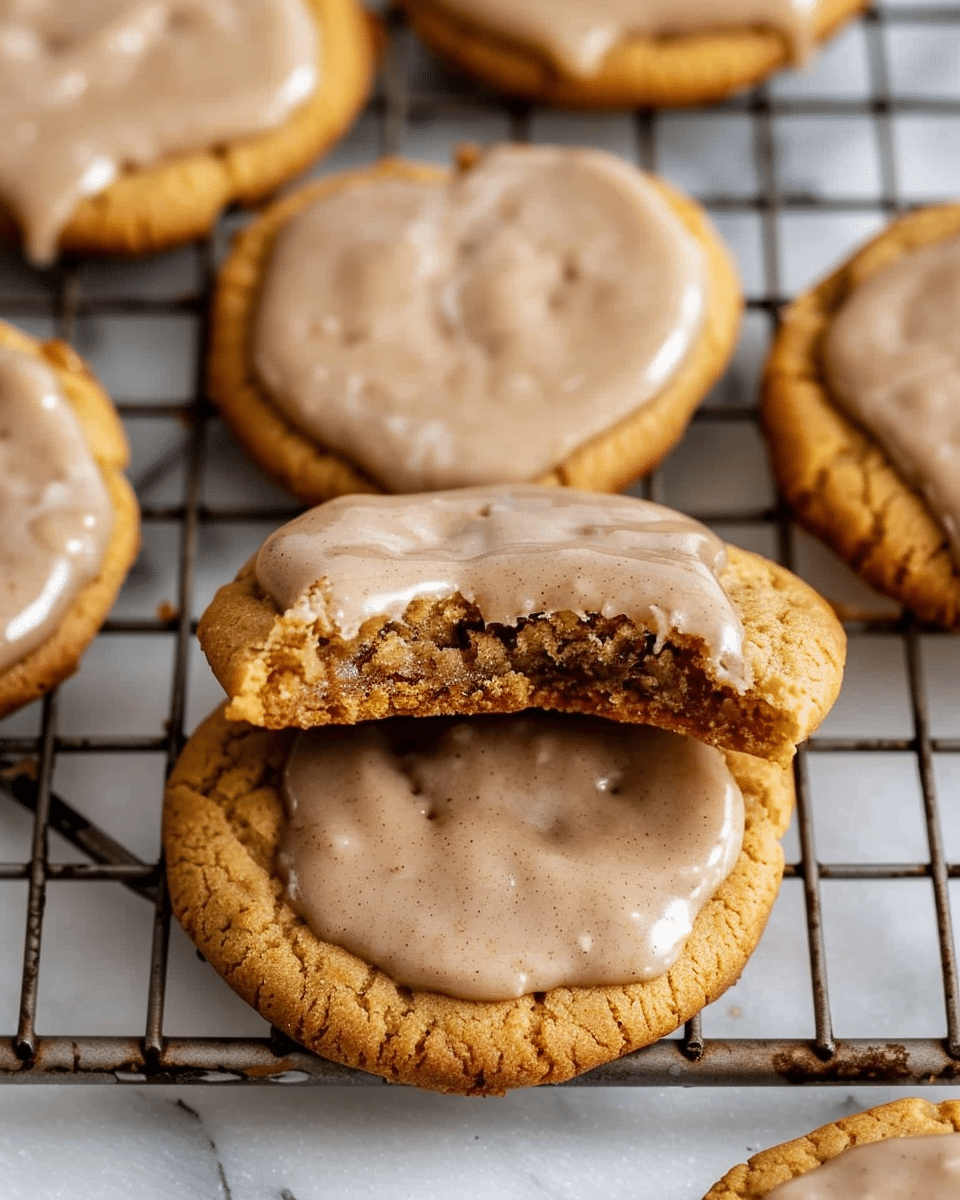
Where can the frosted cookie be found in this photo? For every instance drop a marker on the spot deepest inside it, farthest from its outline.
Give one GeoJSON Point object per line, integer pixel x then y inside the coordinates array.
{"type": "Point", "coordinates": [859, 406]}
{"type": "Point", "coordinates": [625, 53]}
{"type": "Point", "coordinates": [128, 128]}
{"type": "Point", "coordinates": [70, 523]}
{"type": "Point", "coordinates": [540, 314]}
{"type": "Point", "coordinates": [231, 859]}
{"type": "Point", "coordinates": [500, 599]}
{"type": "Point", "coordinates": [882, 1153]}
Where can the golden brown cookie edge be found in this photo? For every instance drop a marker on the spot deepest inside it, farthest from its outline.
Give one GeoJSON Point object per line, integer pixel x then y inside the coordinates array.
{"type": "Point", "coordinates": [661, 72]}
{"type": "Point", "coordinates": [221, 822]}
{"type": "Point", "coordinates": [607, 462]}
{"type": "Point", "coordinates": [840, 483]}
{"type": "Point", "coordinates": [54, 660]}
{"type": "Point", "coordinates": [763, 1172]}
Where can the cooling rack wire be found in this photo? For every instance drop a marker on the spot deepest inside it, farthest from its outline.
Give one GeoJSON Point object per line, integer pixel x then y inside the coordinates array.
{"type": "Point", "coordinates": [794, 173]}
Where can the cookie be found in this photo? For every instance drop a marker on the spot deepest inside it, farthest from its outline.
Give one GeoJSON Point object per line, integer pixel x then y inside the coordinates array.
{"type": "Point", "coordinates": [605, 460]}
{"type": "Point", "coordinates": [179, 198]}
{"type": "Point", "coordinates": [446, 654]}
{"type": "Point", "coordinates": [50, 662]}
{"type": "Point", "coordinates": [223, 819]}
{"type": "Point", "coordinates": [839, 481]}
{"type": "Point", "coordinates": [767, 1170]}
{"type": "Point", "coordinates": [669, 71]}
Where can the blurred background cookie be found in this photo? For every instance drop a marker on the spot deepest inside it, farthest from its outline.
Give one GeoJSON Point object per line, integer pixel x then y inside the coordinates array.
{"type": "Point", "coordinates": [127, 129]}
{"type": "Point", "coordinates": [623, 53]}
{"type": "Point", "coordinates": [69, 522]}
{"type": "Point", "coordinates": [540, 314]}
{"type": "Point", "coordinates": [860, 401]}
{"type": "Point", "coordinates": [861, 1155]}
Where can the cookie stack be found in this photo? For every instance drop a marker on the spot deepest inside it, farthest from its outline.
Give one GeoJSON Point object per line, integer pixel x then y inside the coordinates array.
{"type": "Point", "coordinates": [336, 877]}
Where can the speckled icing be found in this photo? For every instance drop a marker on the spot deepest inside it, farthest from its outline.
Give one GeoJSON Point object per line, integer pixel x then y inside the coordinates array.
{"type": "Point", "coordinates": [480, 331]}
{"type": "Point", "coordinates": [910, 1168]}
{"type": "Point", "coordinates": [497, 856]}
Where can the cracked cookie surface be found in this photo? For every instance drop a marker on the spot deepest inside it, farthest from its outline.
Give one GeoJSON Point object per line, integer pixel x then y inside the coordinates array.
{"type": "Point", "coordinates": [663, 72]}
{"type": "Point", "coordinates": [758, 1176]}
{"type": "Point", "coordinates": [313, 473]}
{"type": "Point", "coordinates": [223, 817]}
{"type": "Point", "coordinates": [41, 669]}
{"type": "Point", "coordinates": [839, 481]}
{"type": "Point", "coordinates": [154, 208]}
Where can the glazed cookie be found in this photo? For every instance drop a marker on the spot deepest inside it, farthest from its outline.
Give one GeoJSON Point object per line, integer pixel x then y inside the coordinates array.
{"type": "Point", "coordinates": [861, 489]}
{"type": "Point", "coordinates": [587, 55]}
{"type": "Point", "coordinates": [156, 175]}
{"type": "Point", "coordinates": [771, 1169]}
{"type": "Point", "coordinates": [500, 599]}
{"type": "Point", "coordinates": [66, 554]}
{"type": "Point", "coordinates": [403, 328]}
{"type": "Point", "coordinates": [223, 832]}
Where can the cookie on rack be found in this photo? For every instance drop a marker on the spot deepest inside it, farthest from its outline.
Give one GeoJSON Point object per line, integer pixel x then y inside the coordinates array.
{"type": "Point", "coordinates": [859, 401]}
{"type": "Point", "coordinates": [547, 862]}
{"type": "Point", "coordinates": [224, 838]}
{"type": "Point", "coordinates": [612, 54]}
{"type": "Point", "coordinates": [771, 1172]}
{"type": "Point", "coordinates": [499, 599]}
{"type": "Point", "coordinates": [139, 126]}
{"type": "Point", "coordinates": [539, 314]}
{"type": "Point", "coordinates": [71, 524]}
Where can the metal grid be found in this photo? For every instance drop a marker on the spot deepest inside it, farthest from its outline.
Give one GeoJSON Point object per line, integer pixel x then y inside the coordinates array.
{"type": "Point", "coordinates": [404, 103]}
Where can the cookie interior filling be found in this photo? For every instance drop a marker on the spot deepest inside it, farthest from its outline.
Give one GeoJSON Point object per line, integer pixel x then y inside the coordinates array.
{"type": "Point", "coordinates": [512, 552]}
{"type": "Point", "coordinates": [892, 359]}
{"type": "Point", "coordinates": [90, 88]}
{"type": "Point", "coordinates": [907, 1168]}
{"type": "Point", "coordinates": [496, 856]}
{"type": "Point", "coordinates": [578, 34]}
{"type": "Point", "coordinates": [55, 509]}
{"type": "Point", "coordinates": [477, 331]}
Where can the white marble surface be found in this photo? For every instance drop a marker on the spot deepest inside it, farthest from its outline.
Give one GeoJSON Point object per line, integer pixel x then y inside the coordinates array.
{"type": "Point", "coordinates": [281, 1142]}
{"type": "Point", "coordinates": [62, 1143]}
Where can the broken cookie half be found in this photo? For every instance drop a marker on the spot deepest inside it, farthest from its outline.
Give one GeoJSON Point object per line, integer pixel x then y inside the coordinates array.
{"type": "Point", "coordinates": [493, 895]}
{"type": "Point", "coordinates": [501, 599]}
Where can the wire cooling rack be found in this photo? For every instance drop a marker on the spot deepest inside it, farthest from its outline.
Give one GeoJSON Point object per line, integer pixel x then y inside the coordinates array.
{"type": "Point", "coordinates": [794, 173]}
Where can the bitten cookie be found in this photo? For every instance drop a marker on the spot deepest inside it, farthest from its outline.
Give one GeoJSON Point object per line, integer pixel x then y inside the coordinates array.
{"type": "Point", "coordinates": [164, 203]}
{"type": "Point", "coordinates": [509, 294]}
{"type": "Point", "coordinates": [223, 820]}
{"type": "Point", "coordinates": [770, 1168]}
{"type": "Point", "coordinates": [556, 641]}
{"type": "Point", "coordinates": [841, 483]}
{"type": "Point", "coordinates": [667, 71]}
{"type": "Point", "coordinates": [45, 665]}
